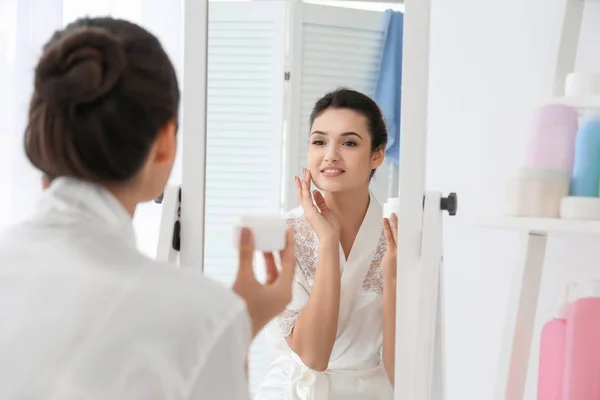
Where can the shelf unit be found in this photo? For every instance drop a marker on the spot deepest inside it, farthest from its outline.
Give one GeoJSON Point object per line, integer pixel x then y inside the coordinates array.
{"type": "Point", "coordinates": [542, 226]}
{"type": "Point", "coordinates": [523, 300]}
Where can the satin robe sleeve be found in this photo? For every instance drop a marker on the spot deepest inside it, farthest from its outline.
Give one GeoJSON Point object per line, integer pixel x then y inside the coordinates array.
{"type": "Point", "coordinates": [300, 294]}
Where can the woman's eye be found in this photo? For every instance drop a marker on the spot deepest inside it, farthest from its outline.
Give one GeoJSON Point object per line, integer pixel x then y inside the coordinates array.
{"type": "Point", "coordinates": [318, 143]}
{"type": "Point", "coordinates": [349, 143]}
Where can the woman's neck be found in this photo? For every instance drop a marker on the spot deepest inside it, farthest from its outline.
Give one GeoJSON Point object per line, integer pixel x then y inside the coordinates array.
{"type": "Point", "coordinates": [350, 207]}
{"type": "Point", "coordinates": [125, 196]}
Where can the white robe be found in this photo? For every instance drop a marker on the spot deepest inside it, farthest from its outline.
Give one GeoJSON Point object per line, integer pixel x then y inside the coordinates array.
{"type": "Point", "coordinates": [86, 316]}
{"type": "Point", "coordinates": [355, 370]}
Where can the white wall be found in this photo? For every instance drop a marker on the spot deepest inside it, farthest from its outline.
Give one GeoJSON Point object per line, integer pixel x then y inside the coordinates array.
{"type": "Point", "coordinates": [490, 61]}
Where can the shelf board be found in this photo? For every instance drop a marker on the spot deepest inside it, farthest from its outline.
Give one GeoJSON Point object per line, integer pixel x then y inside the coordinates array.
{"type": "Point", "coordinates": [546, 226]}
{"type": "Point", "coordinates": [582, 104]}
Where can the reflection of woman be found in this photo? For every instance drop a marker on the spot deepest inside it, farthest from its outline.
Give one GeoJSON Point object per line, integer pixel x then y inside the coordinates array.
{"type": "Point", "coordinates": [84, 314]}
{"type": "Point", "coordinates": [339, 327]}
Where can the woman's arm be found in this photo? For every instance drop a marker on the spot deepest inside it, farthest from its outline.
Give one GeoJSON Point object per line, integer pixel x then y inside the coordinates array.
{"type": "Point", "coordinates": [389, 266]}
{"type": "Point", "coordinates": [314, 333]}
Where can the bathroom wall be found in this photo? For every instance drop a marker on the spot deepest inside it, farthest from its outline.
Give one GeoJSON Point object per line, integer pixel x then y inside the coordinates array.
{"type": "Point", "coordinates": [491, 62]}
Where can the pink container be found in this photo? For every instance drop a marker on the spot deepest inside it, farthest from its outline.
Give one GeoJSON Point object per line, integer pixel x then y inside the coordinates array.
{"type": "Point", "coordinates": [552, 142]}
{"type": "Point", "coordinates": [582, 354]}
{"type": "Point", "coordinates": [552, 355]}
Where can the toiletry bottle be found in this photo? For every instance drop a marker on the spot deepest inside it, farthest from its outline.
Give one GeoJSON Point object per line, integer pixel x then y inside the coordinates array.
{"type": "Point", "coordinates": [582, 351]}
{"type": "Point", "coordinates": [552, 354]}
{"type": "Point", "coordinates": [552, 140]}
{"type": "Point", "coordinates": [585, 180]}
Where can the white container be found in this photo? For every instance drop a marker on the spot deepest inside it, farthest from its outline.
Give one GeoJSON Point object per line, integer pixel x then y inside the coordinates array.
{"type": "Point", "coordinates": [580, 208]}
{"type": "Point", "coordinates": [391, 206]}
{"type": "Point", "coordinates": [536, 192]}
{"type": "Point", "coordinates": [543, 174]}
{"type": "Point", "coordinates": [582, 84]}
{"type": "Point", "coordinates": [268, 229]}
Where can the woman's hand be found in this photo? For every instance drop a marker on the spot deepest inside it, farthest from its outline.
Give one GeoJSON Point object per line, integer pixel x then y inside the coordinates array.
{"type": "Point", "coordinates": [389, 260]}
{"type": "Point", "coordinates": [324, 222]}
{"type": "Point", "coordinates": [264, 301]}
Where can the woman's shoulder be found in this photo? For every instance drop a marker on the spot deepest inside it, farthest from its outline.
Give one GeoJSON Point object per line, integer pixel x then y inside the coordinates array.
{"type": "Point", "coordinates": [301, 228]}
{"type": "Point", "coordinates": [294, 213]}
{"type": "Point", "coordinates": [294, 218]}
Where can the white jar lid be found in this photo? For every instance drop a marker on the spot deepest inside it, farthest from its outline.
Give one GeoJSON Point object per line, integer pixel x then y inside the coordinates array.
{"type": "Point", "coordinates": [582, 84]}
{"type": "Point", "coordinates": [580, 208]}
{"type": "Point", "coordinates": [268, 229]}
{"type": "Point", "coordinates": [542, 174]}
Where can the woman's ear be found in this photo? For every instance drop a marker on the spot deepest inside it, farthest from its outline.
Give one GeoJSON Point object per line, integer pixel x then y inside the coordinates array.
{"type": "Point", "coordinates": [378, 157]}
{"type": "Point", "coordinates": [166, 143]}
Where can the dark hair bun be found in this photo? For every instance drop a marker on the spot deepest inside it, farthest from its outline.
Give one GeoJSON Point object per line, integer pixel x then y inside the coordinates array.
{"type": "Point", "coordinates": [104, 89]}
{"type": "Point", "coordinates": [80, 67]}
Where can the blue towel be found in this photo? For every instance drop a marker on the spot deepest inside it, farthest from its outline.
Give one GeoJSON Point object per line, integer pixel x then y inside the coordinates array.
{"type": "Point", "coordinates": [389, 81]}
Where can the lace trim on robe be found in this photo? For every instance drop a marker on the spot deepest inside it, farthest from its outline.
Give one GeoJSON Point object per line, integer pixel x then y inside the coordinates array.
{"type": "Point", "coordinates": [306, 249]}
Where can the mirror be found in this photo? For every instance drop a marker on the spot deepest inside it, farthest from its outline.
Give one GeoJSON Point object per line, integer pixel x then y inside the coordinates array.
{"type": "Point", "coordinates": [268, 63]}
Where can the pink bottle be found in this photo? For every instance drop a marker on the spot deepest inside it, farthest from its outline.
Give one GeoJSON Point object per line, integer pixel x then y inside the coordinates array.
{"type": "Point", "coordinates": [552, 140]}
{"type": "Point", "coordinates": [582, 356]}
{"type": "Point", "coordinates": [552, 354]}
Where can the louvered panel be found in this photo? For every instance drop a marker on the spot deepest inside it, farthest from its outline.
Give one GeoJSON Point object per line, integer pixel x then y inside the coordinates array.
{"type": "Point", "coordinates": [246, 52]}
{"type": "Point", "coordinates": [332, 47]}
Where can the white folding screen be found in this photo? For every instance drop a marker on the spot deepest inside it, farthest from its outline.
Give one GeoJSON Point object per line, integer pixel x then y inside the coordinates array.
{"type": "Point", "coordinates": [244, 122]}
{"type": "Point", "coordinates": [246, 54]}
{"type": "Point", "coordinates": [330, 47]}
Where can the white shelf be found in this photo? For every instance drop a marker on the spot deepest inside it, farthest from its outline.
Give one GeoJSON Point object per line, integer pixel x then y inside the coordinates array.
{"type": "Point", "coordinates": [546, 226]}
{"type": "Point", "coordinates": [581, 104]}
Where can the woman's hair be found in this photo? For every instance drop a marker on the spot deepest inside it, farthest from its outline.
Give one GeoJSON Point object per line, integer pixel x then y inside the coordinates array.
{"type": "Point", "coordinates": [103, 89]}
{"type": "Point", "coordinates": [352, 100]}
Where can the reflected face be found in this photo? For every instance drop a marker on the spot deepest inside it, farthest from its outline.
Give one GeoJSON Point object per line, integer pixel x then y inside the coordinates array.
{"type": "Point", "coordinates": [339, 156]}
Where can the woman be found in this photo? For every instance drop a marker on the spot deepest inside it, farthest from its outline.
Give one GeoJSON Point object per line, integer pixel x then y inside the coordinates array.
{"type": "Point", "coordinates": [339, 327]}
{"type": "Point", "coordinates": [84, 314]}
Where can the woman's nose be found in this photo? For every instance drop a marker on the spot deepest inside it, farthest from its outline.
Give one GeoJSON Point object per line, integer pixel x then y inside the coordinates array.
{"type": "Point", "coordinates": [332, 154]}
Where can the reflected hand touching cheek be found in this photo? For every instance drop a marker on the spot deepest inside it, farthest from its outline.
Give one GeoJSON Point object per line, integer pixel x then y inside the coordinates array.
{"type": "Point", "coordinates": [324, 222]}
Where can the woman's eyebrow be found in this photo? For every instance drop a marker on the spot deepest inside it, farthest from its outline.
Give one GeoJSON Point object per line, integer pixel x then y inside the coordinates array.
{"type": "Point", "coordinates": [343, 134]}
